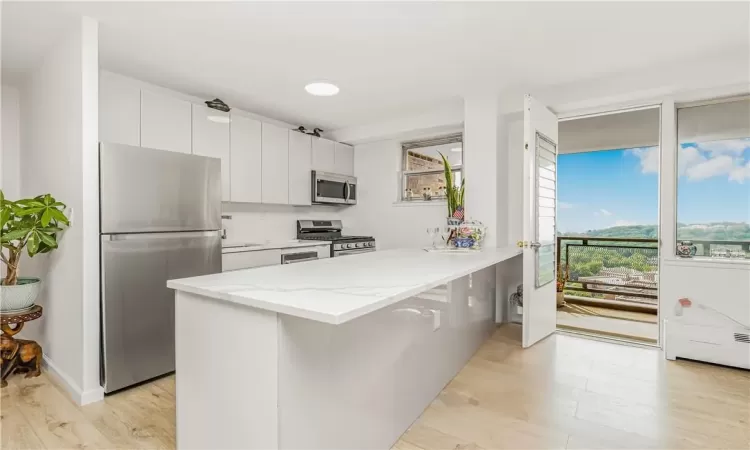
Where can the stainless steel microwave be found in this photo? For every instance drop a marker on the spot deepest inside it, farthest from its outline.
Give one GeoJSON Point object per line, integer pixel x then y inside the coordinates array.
{"type": "Point", "coordinates": [333, 188]}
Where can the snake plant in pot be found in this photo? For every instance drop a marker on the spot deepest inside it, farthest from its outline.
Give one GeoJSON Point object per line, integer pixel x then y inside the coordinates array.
{"type": "Point", "coordinates": [454, 195]}
{"type": "Point", "coordinates": [31, 224]}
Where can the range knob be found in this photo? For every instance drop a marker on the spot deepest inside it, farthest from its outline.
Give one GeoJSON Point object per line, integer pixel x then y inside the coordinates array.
{"type": "Point", "coordinates": [347, 245]}
{"type": "Point", "coordinates": [358, 245]}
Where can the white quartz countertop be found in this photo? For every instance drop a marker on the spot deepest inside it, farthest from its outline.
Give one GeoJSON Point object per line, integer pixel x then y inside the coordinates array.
{"type": "Point", "coordinates": [234, 247]}
{"type": "Point", "coordinates": [337, 290]}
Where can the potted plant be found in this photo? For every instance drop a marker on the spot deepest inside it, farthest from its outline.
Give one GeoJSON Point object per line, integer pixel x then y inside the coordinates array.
{"type": "Point", "coordinates": [562, 278]}
{"type": "Point", "coordinates": [454, 196]}
{"type": "Point", "coordinates": [32, 224]}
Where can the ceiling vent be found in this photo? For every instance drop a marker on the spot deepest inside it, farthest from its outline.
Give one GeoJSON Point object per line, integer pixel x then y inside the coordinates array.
{"type": "Point", "coordinates": [741, 337]}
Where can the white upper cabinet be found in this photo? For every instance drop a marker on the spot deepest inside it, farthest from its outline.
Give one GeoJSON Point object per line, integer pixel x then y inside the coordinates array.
{"type": "Point", "coordinates": [211, 138]}
{"type": "Point", "coordinates": [344, 159]}
{"type": "Point", "coordinates": [300, 168]}
{"type": "Point", "coordinates": [275, 164]}
{"type": "Point", "coordinates": [119, 110]}
{"type": "Point", "coordinates": [246, 159]}
{"type": "Point", "coordinates": [165, 123]}
{"type": "Point", "coordinates": [324, 157]}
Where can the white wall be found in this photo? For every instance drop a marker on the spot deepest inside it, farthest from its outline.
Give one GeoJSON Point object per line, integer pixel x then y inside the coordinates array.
{"type": "Point", "coordinates": [11, 142]}
{"type": "Point", "coordinates": [378, 213]}
{"type": "Point", "coordinates": [275, 223]}
{"type": "Point", "coordinates": [59, 138]}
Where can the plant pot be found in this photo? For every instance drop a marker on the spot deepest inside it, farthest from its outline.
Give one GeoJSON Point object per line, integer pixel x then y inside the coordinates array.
{"type": "Point", "coordinates": [19, 296]}
{"type": "Point", "coordinates": [560, 299]}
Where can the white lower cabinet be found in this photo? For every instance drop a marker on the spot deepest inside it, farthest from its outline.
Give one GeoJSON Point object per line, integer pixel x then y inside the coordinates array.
{"type": "Point", "coordinates": [250, 259]}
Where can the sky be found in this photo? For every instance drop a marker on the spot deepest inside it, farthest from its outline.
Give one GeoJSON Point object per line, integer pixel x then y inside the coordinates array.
{"type": "Point", "coordinates": [620, 187]}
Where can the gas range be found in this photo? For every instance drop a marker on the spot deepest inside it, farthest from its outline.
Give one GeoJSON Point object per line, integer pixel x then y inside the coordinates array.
{"type": "Point", "coordinates": [330, 230]}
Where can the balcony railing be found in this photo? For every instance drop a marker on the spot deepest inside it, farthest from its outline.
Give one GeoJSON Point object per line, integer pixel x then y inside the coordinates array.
{"type": "Point", "coordinates": [616, 269]}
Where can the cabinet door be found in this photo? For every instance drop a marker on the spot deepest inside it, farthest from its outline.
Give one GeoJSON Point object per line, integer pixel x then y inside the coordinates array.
{"type": "Point", "coordinates": [248, 260]}
{"type": "Point", "coordinates": [344, 159]}
{"type": "Point", "coordinates": [119, 110]}
{"type": "Point", "coordinates": [211, 138]}
{"type": "Point", "coordinates": [165, 123]}
{"type": "Point", "coordinates": [275, 164]}
{"type": "Point", "coordinates": [323, 155]}
{"type": "Point", "coordinates": [300, 168]}
{"type": "Point", "coordinates": [245, 159]}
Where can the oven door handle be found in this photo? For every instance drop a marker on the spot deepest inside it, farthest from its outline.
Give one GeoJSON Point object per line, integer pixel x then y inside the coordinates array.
{"type": "Point", "coordinates": [354, 252]}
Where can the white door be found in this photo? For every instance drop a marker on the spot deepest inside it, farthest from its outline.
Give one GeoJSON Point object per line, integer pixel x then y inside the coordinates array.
{"type": "Point", "coordinates": [166, 123]}
{"type": "Point", "coordinates": [275, 164]}
{"type": "Point", "coordinates": [211, 138]}
{"type": "Point", "coordinates": [119, 110]}
{"type": "Point", "coordinates": [300, 168]}
{"type": "Point", "coordinates": [343, 160]}
{"type": "Point", "coordinates": [245, 159]}
{"type": "Point", "coordinates": [323, 159]}
{"type": "Point", "coordinates": [539, 222]}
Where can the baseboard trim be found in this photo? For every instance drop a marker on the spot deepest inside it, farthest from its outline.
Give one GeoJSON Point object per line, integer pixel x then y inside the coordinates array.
{"type": "Point", "coordinates": [76, 393]}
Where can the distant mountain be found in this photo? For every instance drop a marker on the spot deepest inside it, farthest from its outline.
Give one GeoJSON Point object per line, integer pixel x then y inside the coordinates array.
{"type": "Point", "coordinates": [717, 231]}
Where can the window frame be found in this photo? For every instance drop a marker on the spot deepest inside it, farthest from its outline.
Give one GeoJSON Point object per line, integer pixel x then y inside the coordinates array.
{"type": "Point", "coordinates": [677, 106]}
{"type": "Point", "coordinates": [407, 146]}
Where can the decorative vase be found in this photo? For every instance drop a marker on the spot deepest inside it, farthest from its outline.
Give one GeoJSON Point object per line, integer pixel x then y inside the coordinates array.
{"type": "Point", "coordinates": [19, 296]}
{"type": "Point", "coordinates": [686, 249]}
{"type": "Point", "coordinates": [560, 299]}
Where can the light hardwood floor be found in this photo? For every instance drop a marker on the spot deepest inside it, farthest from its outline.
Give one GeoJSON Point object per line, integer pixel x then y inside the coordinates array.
{"type": "Point", "coordinates": [566, 392]}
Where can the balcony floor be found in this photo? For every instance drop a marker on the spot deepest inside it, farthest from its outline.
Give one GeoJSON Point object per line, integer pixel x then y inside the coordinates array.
{"type": "Point", "coordinates": [636, 326]}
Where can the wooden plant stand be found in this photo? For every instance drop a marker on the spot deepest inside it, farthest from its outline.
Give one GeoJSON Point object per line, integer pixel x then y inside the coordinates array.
{"type": "Point", "coordinates": [18, 355]}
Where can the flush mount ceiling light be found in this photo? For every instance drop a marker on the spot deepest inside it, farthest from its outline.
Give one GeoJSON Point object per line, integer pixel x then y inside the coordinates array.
{"type": "Point", "coordinates": [322, 89]}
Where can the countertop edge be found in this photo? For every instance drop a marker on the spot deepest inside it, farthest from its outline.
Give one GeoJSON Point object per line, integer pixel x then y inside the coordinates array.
{"type": "Point", "coordinates": [338, 319]}
{"type": "Point", "coordinates": [274, 246]}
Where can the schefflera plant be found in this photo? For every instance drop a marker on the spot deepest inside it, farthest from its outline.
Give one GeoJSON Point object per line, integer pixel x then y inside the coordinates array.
{"type": "Point", "coordinates": [33, 224]}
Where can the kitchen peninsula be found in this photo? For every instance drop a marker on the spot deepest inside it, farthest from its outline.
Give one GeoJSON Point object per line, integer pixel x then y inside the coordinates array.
{"type": "Point", "coordinates": [338, 353]}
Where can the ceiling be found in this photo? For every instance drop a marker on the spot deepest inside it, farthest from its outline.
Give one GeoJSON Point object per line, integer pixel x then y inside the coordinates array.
{"type": "Point", "coordinates": [389, 59]}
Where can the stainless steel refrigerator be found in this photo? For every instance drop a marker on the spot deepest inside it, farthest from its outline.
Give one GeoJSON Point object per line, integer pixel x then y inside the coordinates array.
{"type": "Point", "coordinates": [160, 220]}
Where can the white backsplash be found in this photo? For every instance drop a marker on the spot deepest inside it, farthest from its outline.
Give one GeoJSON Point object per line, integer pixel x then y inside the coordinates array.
{"type": "Point", "coordinates": [262, 223]}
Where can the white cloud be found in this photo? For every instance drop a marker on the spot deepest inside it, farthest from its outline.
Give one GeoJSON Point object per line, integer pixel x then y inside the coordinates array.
{"type": "Point", "coordinates": [712, 167]}
{"type": "Point", "coordinates": [624, 223]}
{"type": "Point", "coordinates": [649, 157]}
{"type": "Point", "coordinates": [740, 173]}
{"type": "Point", "coordinates": [703, 160]}
{"type": "Point", "coordinates": [727, 147]}
{"type": "Point", "coordinates": [564, 205]}
{"type": "Point", "coordinates": [605, 212]}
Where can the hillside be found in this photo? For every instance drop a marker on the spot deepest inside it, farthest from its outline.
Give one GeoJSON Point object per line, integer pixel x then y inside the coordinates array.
{"type": "Point", "coordinates": [719, 231]}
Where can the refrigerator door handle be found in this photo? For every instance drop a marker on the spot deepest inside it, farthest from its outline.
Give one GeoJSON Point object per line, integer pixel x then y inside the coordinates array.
{"type": "Point", "coordinates": [159, 236]}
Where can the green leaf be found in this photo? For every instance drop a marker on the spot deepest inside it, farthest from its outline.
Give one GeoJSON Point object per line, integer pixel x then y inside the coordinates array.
{"type": "Point", "coordinates": [29, 211]}
{"type": "Point", "coordinates": [15, 235]}
{"type": "Point", "coordinates": [46, 217]}
{"type": "Point", "coordinates": [4, 217]}
{"type": "Point", "coordinates": [47, 239]}
{"type": "Point", "coordinates": [32, 244]}
{"type": "Point", "coordinates": [59, 216]}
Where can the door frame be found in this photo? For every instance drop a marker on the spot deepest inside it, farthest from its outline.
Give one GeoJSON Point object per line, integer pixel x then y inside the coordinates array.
{"type": "Point", "coordinates": [662, 106]}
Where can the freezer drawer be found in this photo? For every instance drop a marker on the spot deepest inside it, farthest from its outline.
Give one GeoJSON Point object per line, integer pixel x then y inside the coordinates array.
{"type": "Point", "coordinates": [148, 190]}
{"type": "Point", "coordinates": [138, 308]}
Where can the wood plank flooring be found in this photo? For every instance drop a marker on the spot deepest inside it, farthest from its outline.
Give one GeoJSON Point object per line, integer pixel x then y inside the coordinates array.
{"type": "Point", "coordinates": [566, 392]}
